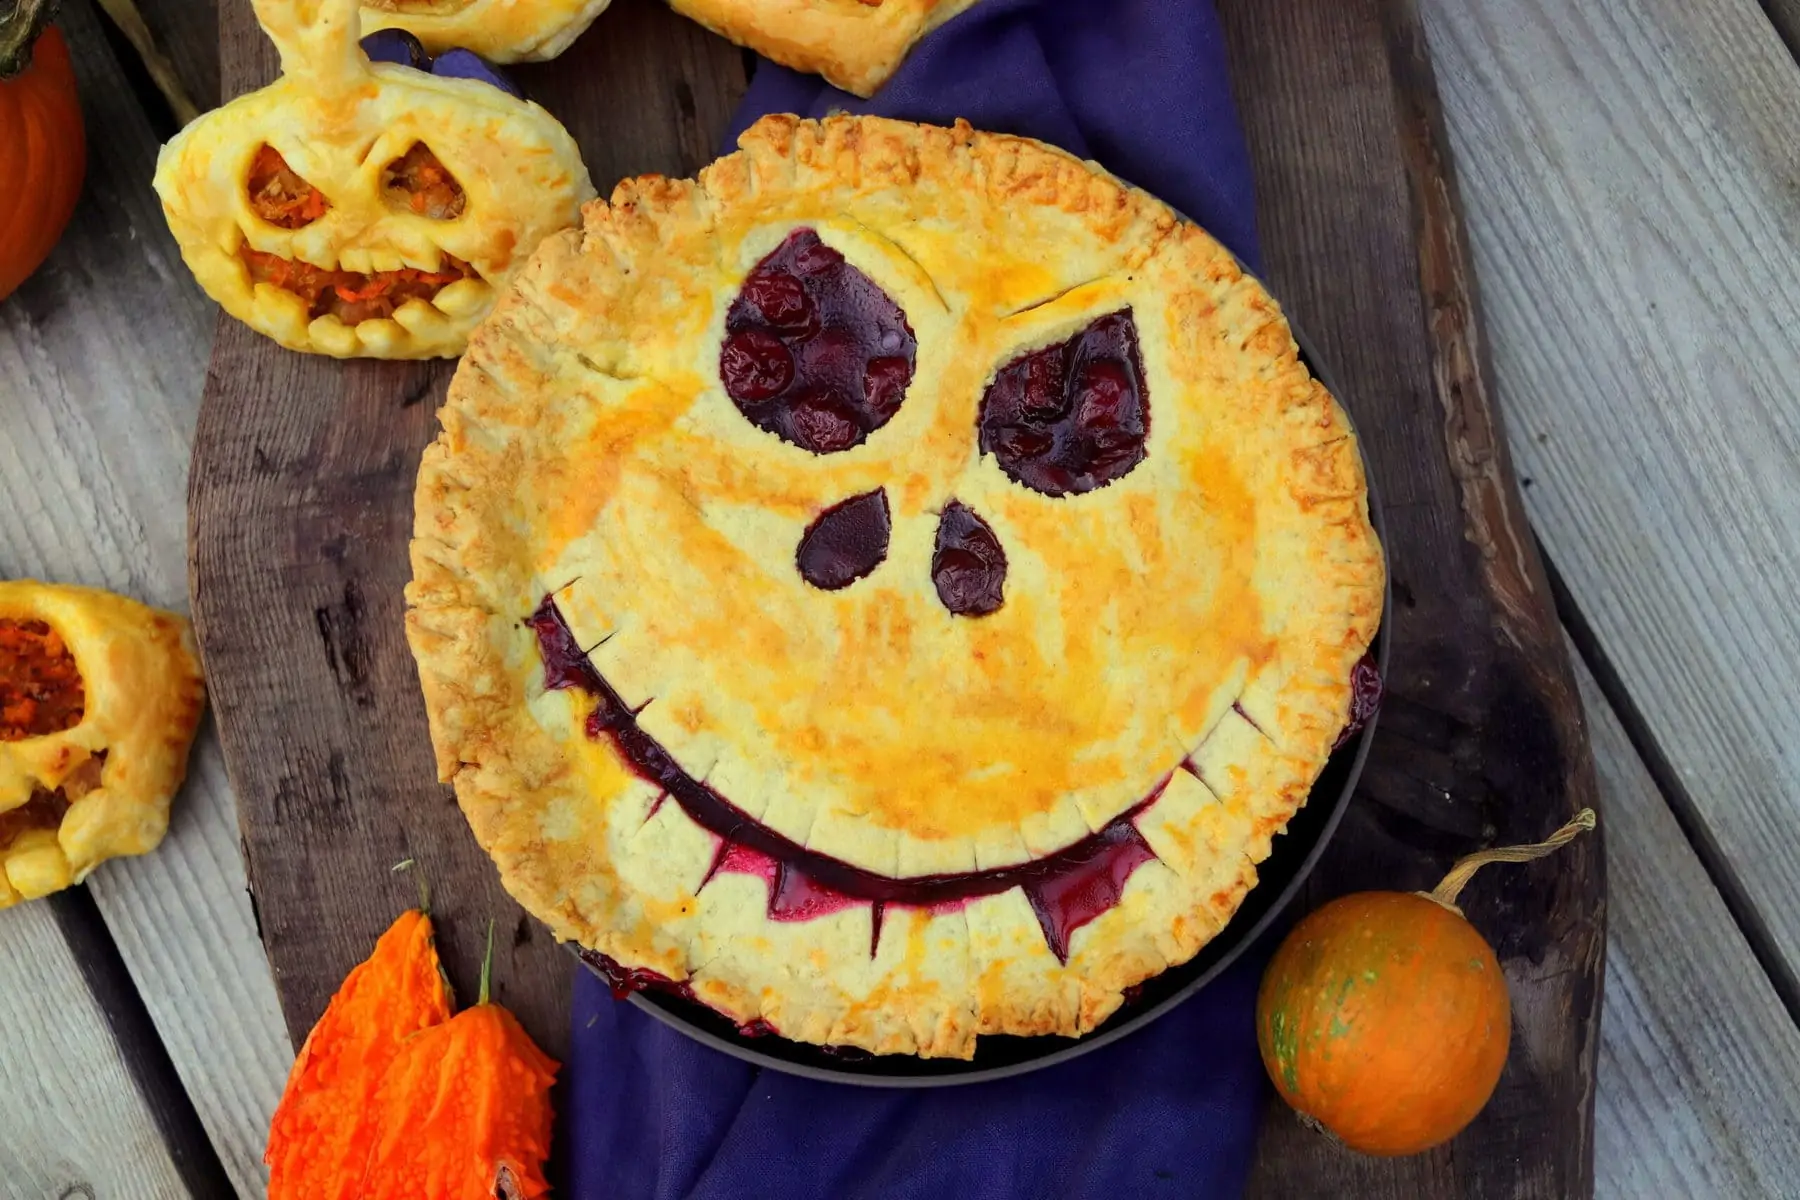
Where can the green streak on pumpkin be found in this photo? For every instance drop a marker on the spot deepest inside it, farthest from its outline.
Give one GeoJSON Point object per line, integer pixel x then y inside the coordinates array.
{"type": "Point", "coordinates": [1285, 1045]}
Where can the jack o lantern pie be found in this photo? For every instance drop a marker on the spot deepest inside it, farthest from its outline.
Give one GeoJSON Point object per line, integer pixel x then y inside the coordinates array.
{"type": "Point", "coordinates": [890, 588]}
{"type": "Point", "coordinates": [100, 697]}
{"type": "Point", "coordinates": [365, 209]}
{"type": "Point", "coordinates": [855, 44]}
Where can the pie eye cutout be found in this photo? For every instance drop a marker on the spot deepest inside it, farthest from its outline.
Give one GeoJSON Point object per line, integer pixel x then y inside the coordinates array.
{"type": "Point", "coordinates": [815, 352]}
{"type": "Point", "coordinates": [279, 195]}
{"type": "Point", "coordinates": [968, 565]}
{"type": "Point", "coordinates": [417, 182]}
{"type": "Point", "coordinates": [1071, 417]}
{"type": "Point", "coordinates": [845, 542]}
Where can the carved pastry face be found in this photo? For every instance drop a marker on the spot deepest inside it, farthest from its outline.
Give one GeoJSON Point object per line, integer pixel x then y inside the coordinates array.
{"type": "Point", "coordinates": [500, 30]}
{"type": "Point", "coordinates": [934, 564]}
{"type": "Point", "coordinates": [99, 700]}
{"type": "Point", "coordinates": [364, 209]}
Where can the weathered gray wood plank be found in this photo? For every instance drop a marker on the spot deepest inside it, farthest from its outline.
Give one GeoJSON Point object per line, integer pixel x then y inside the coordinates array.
{"type": "Point", "coordinates": [1629, 171]}
{"type": "Point", "coordinates": [102, 360]}
{"type": "Point", "coordinates": [70, 1114]}
{"type": "Point", "coordinates": [1699, 1089]}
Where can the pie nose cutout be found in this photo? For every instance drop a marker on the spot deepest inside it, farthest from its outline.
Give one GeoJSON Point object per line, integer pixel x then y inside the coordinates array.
{"type": "Point", "coordinates": [968, 565]}
{"type": "Point", "coordinates": [845, 542]}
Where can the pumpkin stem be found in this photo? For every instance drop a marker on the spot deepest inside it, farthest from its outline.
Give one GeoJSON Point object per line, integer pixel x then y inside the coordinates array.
{"type": "Point", "coordinates": [419, 879]}
{"type": "Point", "coordinates": [487, 965]}
{"type": "Point", "coordinates": [1446, 892]}
{"type": "Point", "coordinates": [21, 21]}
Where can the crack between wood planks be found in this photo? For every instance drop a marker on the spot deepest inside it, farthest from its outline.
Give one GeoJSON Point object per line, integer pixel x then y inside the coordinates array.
{"type": "Point", "coordinates": [1675, 795]}
{"type": "Point", "coordinates": [139, 1044]}
{"type": "Point", "coordinates": [1784, 15]}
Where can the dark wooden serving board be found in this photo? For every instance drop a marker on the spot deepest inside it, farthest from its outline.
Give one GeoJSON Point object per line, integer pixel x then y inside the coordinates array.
{"type": "Point", "coordinates": [301, 506]}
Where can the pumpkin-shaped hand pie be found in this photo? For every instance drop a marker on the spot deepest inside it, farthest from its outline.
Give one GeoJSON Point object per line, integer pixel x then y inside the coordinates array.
{"type": "Point", "coordinates": [99, 700]}
{"type": "Point", "coordinates": [854, 44]}
{"type": "Point", "coordinates": [891, 588]}
{"type": "Point", "coordinates": [364, 209]}
{"type": "Point", "coordinates": [500, 30]}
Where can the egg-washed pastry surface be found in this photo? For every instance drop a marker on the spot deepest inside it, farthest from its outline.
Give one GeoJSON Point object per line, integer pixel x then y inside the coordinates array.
{"type": "Point", "coordinates": [501, 30]}
{"type": "Point", "coordinates": [855, 44]}
{"type": "Point", "coordinates": [891, 588]}
{"type": "Point", "coordinates": [363, 209]}
{"type": "Point", "coordinates": [100, 697]}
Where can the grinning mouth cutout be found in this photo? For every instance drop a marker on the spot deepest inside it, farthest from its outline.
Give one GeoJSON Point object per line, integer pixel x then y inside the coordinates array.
{"type": "Point", "coordinates": [356, 296]}
{"type": "Point", "coordinates": [416, 182]}
{"type": "Point", "coordinates": [1066, 889]}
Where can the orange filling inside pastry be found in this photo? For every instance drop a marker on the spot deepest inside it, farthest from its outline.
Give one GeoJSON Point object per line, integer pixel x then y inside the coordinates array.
{"type": "Point", "coordinates": [352, 296]}
{"type": "Point", "coordinates": [280, 196]}
{"type": "Point", "coordinates": [419, 182]}
{"type": "Point", "coordinates": [40, 686]}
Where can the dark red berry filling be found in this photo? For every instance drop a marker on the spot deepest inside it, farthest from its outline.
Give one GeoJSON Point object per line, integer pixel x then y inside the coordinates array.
{"type": "Point", "coordinates": [968, 564]}
{"type": "Point", "coordinates": [1365, 698]}
{"type": "Point", "coordinates": [1071, 417]}
{"type": "Point", "coordinates": [815, 352]}
{"type": "Point", "coordinates": [846, 541]}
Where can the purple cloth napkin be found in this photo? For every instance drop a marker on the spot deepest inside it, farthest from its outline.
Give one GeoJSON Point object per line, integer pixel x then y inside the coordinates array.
{"type": "Point", "coordinates": [1140, 87]}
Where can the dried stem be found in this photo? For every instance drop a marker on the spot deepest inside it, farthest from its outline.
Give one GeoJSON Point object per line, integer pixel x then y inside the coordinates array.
{"type": "Point", "coordinates": [1446, 892]}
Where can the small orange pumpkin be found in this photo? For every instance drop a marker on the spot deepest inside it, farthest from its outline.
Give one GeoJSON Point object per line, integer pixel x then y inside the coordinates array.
{"type": "Point", "coordinates": [43, 150]}
{"type": "Point", "coordinates": [1384, 1016]}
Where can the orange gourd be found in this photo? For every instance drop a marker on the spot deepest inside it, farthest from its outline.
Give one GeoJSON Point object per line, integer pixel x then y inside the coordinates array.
{"type": "Point", "coordinates": [465, 1111]}
{"type": "Point", "coordinates": [1384, 1016]}
{"type": "Point", "coordinates": [320, 1138]}
{"type": "Point", "coordinates": [43, 151]}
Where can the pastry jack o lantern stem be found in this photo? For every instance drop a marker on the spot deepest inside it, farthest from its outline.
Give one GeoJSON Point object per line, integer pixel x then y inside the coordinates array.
{"type": "Point", "coordinates": [365, 209]}
{"type": "Point", "coordinates": [1384, 1017]}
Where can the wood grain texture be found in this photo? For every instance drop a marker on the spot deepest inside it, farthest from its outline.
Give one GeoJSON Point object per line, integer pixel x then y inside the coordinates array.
{"type": "Point", "coordinates": [70, 1115]}
{"type": "Point", "coordinates": [102, 359]}
{"type": "Point", "coordinates": [300, 513]}
{"type": "Point", "coordinates": [1699, 1062]}
{"type": "Point", "coordinates": [1480, 740]}
{"type": "Point", "coordinates": [1634, 198]}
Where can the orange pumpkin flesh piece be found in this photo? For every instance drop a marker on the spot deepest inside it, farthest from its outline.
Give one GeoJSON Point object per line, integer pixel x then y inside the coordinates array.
{"type": "Point", "coordinates": [465, 1114]}
{"type": "Point", "coordinates": [1384, 1016]}
{"type": "Point", "coordinates": [324, 1127]}
{"type": "Point", "coordinates": [43, 149]}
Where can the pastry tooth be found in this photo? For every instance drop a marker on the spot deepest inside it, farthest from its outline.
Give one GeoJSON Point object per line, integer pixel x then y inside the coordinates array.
{"type": "Point", "coordinates": [464, 298]}
{"type": "Point", "coordinates": [356, 258]}
{"type": "Point", "coordinates": [421, 320]}
{"type": "Point", "coordinates": [281, 312]}
{"type": "Point", "coordinates": [381, 334]}
{"type": "Point", "coordinates": [424, 256]}
{"type": "Point", "coordinates": [385, 258]}
{"type": "Point", "coordinates": [332, 336]}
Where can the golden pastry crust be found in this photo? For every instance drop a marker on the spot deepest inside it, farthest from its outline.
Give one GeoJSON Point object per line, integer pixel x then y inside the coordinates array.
{"type": "Point", "coordinates": [501, 31]}
{"type": "Point", "coordinates": [1190, 627]}
{"type": "Point", "coordinates": [855, 44]}
{"type": "Point", "coordinates": [126, 755]}
{"type": "Point", "coordinates": [340, 122]}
